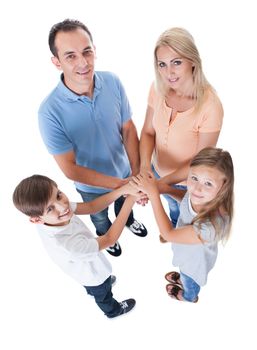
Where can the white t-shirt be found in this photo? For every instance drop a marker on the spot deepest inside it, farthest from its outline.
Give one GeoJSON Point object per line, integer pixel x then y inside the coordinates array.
{"type": "Point", "coordinates": [75, 250]}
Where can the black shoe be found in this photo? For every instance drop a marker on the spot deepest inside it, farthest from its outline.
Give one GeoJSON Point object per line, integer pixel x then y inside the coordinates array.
{"type": "Point", "coordinates": [138, 229]}
{"type": "Point", "coordinates": [113, 279]}
{"type": "Point", "coordinates": [126, 306]}
{"type": "Point", "coordinates": [114, 250]}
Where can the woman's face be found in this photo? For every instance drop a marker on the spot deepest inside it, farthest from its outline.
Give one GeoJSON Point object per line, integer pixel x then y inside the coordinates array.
{"type": "Point", "coordinates": [175, 70]}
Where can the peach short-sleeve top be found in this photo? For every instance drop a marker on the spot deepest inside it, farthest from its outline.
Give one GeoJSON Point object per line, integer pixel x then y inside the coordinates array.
{"type": "Point", "coordinates": [176, 139]}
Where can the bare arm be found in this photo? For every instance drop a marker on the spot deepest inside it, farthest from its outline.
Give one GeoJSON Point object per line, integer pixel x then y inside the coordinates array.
{"type": "Point", "coordinates": [131, 144]}
{"type": "Point", "coordinates": [114, 232]}
{"type": "Point", "coordinates": [67, 163]}
{"type": "Point", "coordinates": [104, 201]}
{"type": "Point", "coordinates": [186, 234]}
{"type": "Point", "coordinates": [147, 141]}
{"type": "Point", "coordinates": [205, 140]}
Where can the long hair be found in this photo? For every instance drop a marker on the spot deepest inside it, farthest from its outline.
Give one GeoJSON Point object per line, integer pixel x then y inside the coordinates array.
{"type": "Point", "coordinates": [219, 210]}
{"type": "Point", "coordinates": [182, 42]}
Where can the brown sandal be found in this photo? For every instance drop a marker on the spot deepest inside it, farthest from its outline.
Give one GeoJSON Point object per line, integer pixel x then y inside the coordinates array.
{"type": "Point", "coordinates": [173, 277]}
{"type": "Point", "coordinates": [173, 291]}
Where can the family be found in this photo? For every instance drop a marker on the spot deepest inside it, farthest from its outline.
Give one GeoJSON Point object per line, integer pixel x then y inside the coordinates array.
{"type": "Point", "coordinates": [86, 124]}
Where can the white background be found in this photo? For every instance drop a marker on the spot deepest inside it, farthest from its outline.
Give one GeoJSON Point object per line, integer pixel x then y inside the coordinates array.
{"type": "Point", "coordinates": [40, 307]}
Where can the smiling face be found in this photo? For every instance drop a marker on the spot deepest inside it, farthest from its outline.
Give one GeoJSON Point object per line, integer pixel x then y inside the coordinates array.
{"type": "Point", "coordinates": [175, 71]}
{"type": "Point", "coordinates": [203, 184]}
{"type": "Point", "coordinates": [76, 58]}
{"type": "Point", "coordinates": [57, 211]}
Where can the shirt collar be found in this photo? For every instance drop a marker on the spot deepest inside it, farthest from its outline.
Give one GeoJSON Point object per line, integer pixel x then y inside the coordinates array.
{"type": "Point", "coordinates": [72, 96]}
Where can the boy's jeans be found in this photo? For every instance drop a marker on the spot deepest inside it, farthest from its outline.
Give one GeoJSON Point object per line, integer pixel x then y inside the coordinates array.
{"type": "Point", "coordinates": [104, 298]}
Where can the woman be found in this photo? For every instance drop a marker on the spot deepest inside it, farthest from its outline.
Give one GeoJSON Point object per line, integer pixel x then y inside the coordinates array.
{"type": "Point", "coordinates": [184, 114]}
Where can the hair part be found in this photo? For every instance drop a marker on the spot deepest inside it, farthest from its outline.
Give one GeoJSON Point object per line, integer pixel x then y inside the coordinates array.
{"type": "Point", "coordinates": [182, 42]}
{"type": "Point", "coordinates": [68, 25]}
{"type": "Point", "coordinates": [32, 195]}
{"type": "Point", "coordinates": [222, 204]}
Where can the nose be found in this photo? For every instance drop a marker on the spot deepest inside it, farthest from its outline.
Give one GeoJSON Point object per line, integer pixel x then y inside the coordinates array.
{"type": "Point", "coordinates": [198, 187]}
{"type": "Point", "coordinates": [60, 206]}
{"type": "Point", "coordinates": [171, 69]}
{"type": "Point", "coordinates": [82, 61]}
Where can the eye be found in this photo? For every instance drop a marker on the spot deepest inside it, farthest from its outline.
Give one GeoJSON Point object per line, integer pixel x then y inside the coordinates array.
{"type": "Point", "coordinates": [59, 195]}
{"type": "Point", "coordinates": [88, 52]}
{"type": "Point", "coordinates": [177, 62]}
{"type": "Point", "coordinates": [194, 178]}
{"type": "Point", "coordinates": [70, 57]}
{"type": "Point", "coordinates": [208, 184]}
{"type": "Point", "coordinates": [49, 209]}
{"type": "Point", "coordinates": [161, 64]}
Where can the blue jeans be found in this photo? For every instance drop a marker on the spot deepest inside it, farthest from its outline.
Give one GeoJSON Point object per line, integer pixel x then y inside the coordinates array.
{"type": "Point", "coordinates": [101, 220]}
{"type": "Point", "coordinates": [191, 288]}
{"type": "Point", "coordinates": [173, 204]}
{"type": "Point", "coordinates": [104, 298]}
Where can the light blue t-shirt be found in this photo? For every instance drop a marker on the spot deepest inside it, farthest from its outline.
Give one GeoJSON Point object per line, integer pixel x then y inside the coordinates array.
{"type": "Point", "coordinates": [196, 260]}
{"type": "Point", "coordinates": [90, 127]}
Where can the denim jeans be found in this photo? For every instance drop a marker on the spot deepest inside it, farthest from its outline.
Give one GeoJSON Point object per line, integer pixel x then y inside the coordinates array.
{"type": "Point", "coordinates": [104, 298]}
{"type": "Point", "coordinates": [101, 220]}
{"type": "Point", "coordinates": [173, 204]}
{"type": "Point", "coordinates": [191, 288]}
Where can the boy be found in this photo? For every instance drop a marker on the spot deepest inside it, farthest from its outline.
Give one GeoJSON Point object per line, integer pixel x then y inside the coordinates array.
{"type": "Point", "coordinates": [69, 242]}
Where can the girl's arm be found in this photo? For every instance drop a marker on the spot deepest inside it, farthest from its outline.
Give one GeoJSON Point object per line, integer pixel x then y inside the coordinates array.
{"type": "Point", "coordinates": [103, 201]}
{"type": "Point", "coordinates": [185, 234]}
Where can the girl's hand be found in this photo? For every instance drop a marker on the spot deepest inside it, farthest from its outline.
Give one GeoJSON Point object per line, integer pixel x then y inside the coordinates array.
{"type": "Point", "coordinates": [145, 182]}
{"type": "Point", "coordinates": [162, 240]}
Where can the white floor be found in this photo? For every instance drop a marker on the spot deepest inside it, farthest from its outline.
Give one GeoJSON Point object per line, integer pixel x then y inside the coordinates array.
{"type": "Point", "coordinates": [40, 307]}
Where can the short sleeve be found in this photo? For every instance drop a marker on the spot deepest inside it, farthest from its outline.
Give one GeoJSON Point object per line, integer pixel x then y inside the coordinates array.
{"type": "Point", "coordinates": [206, 231]}
{"type": "Point", "coordinates": [126, 111]}
{"type": "Point", "coordinates": [53, 135]}
{"type": "Point", "coordinates": [212, 115]}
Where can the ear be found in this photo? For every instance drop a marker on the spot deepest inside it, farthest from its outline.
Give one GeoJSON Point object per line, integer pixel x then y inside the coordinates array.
{"type": "Point", "coordinates": [56, 62]}
{"type": "Point", "coordinates": [36, 220]}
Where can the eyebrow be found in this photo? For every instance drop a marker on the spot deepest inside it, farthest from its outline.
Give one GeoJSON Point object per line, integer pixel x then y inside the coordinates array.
{"type": "Point", "coordinates": [66, 53]}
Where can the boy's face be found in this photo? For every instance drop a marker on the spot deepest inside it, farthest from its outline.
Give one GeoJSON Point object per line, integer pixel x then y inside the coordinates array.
{"type": "Point", "coordinates": [57, 211]}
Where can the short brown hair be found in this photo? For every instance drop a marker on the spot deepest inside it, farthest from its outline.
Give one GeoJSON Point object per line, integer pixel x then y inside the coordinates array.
{"type": "Point", "coordinates": [32, 195]}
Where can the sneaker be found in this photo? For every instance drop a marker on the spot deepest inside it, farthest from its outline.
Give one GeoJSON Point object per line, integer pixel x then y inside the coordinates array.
{"type": "Point", "coordinates": [138, 229]}
{"type": "Point", "coordinates": [126, 306]}
{"type": "Point", "coordinates": [114, 250]}
{"type": "Point", "coordinates": [113, 279]}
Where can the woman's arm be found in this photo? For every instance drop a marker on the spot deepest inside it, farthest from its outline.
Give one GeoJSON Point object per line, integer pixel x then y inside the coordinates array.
{"type": "Point", "coordinates": [147, 141]}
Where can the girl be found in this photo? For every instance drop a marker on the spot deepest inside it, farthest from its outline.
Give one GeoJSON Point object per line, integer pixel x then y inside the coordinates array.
{"type": "Point", "coordinates": [206, 212]}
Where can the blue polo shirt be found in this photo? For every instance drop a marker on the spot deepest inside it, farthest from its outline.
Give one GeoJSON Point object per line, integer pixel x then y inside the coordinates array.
{"type": "Point", "coordinates": [90, 127]}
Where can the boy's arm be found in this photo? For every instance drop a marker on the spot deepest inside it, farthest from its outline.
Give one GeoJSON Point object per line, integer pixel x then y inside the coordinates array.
{"type": "Point", "coordinates": [114, 232]}
{"type": "Point", "coordinates": [102, 202]}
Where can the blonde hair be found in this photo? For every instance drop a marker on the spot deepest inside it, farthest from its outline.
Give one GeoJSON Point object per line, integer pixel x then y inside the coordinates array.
{"type": "Point", "coordinates": [221, 207]}
{"type": "Point", "coordinates": [182, 42]}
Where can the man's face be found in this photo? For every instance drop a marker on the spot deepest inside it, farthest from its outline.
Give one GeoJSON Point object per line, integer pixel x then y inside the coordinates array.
{"type": "Point", "coordinates": [76, 58]}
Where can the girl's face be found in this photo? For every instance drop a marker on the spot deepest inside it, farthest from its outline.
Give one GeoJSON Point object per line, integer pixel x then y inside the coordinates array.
{"type": "Point", "coordinates": [203, 184]}
{"type": "Point", "coordinates": [176, 71]}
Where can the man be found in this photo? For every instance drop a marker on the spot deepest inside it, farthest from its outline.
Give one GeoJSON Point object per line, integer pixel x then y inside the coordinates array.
{"type": "Point", "coordinates": [86, 124]}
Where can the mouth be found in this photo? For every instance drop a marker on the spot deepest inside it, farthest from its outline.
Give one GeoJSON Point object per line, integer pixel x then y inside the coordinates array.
{"type": "Point", "coordinates": [83, 73]}
{"type": "Point", "coordinates": [196, 196]}
{"type": "Point", "coordinates": [173, 80]}
{"type": "Point", "coordinates": [64, 214]}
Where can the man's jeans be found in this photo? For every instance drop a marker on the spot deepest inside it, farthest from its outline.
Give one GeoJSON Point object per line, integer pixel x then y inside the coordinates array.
{"type": "Point", "coordinates": [101, 220]}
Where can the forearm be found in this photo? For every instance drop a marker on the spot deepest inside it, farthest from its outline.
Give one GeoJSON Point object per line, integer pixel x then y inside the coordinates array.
{"type": "Point", "coordinates": [146, 147]}
{"type": "Point", "coordinates": [99, 203]}
{"type": "Point", "coordinates": [131, 144]}
{"type": "Point", "coordinates": [162, 219]}
{"type": "Point", "coordinates": [114, 232]}
{"type": "Point", "coordinates": [178, 176]}
{"type": "Point", "coordinates": [91, 177]}
{"type": "Point", "coordinates": [175, 193]}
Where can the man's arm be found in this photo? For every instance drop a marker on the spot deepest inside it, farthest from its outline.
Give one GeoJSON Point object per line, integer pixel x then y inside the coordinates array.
{"type": "Point", "coordinates": [131, 144]}
{"type": "Point", "coordinates": [67, 163]}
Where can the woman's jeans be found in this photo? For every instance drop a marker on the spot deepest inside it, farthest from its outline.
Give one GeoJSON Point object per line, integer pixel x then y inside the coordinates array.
{"type": "Point", "coordinates": [101, 220]}
{"type": "Point", "coordinates": [191, 288]}
{"type": "Point", "coordinates": [173, 204]}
